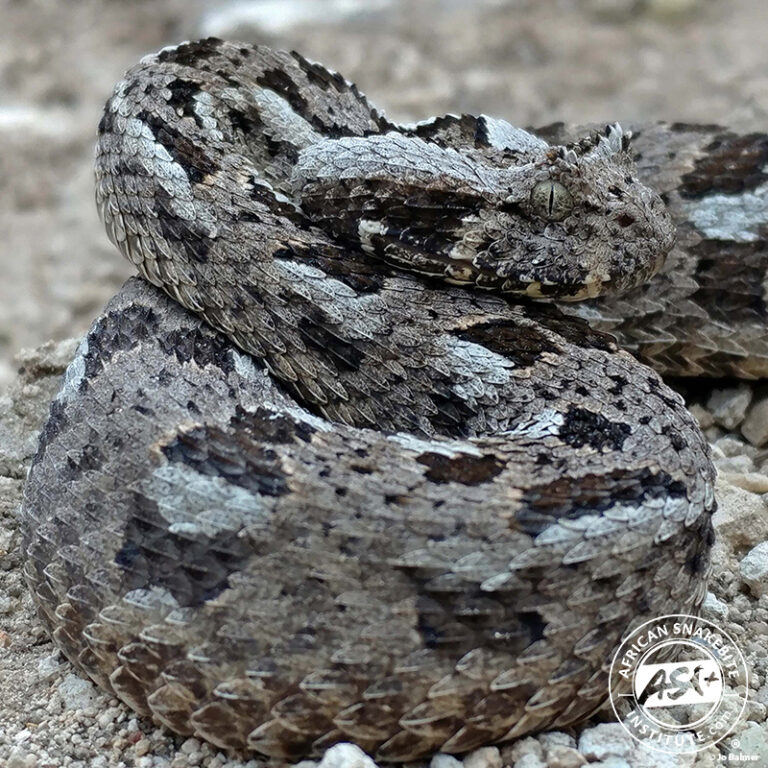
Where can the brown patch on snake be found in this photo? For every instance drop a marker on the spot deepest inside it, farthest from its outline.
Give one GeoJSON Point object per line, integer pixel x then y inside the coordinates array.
{"type": "Point", "coordinates": [219, 453]}
{"type": "Point", "coordinates": [731, 164]}
{"type": "Point", "coordinates": [521, 344]}
{"type": "Point", "coordinates": [467, 470]}
{"type": "Point", "coordinates": [572, 497]}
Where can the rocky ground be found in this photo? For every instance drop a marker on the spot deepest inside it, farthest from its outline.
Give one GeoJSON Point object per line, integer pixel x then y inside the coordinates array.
{"type": "Point", "coordinates": [531, 61]}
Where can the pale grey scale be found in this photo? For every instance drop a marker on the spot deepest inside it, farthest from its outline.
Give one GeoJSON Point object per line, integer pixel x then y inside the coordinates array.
{"type": "Point", "coordinates": [439, 575]}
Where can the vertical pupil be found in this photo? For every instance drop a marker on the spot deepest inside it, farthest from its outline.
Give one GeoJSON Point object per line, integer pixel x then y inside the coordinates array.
{"type": "Point", "coordinates": [551, 197]}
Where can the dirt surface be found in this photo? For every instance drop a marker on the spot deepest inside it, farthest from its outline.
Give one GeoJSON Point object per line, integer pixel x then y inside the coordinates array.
{"type": "Point", "coordinates": [530, 61]}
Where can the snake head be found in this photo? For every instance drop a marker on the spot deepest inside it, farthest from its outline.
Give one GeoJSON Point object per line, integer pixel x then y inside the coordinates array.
{"type": "Point", "coordinates": [561, 222]}
{"type": "Point", "coordinates": [574, 223]}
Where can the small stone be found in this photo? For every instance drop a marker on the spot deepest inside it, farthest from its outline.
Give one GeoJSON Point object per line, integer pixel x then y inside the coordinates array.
{"type": "Point", "coordinates": [754, 741]}
{"type": "Point", "coordinates": [108, 716]}
{"type": "Point", "coordinates": [346, 755]}
{"type": "Point", "coordinates": [76, 693]}
{"type": "Point", "coordinates": [755, 425]}
{"type": "Point", "coordinates": [441, 760]}
{"type": "Point", "coordinates": [560, 756]}
{"type": "Point", "coordinates": [511, 753]}
{"type": "Point", "coordinates": [714, 607]}
{"type": "Point", "coordinates": [729, 406]}
{"type": "Point", "coordinates": [19, 758]}
{"type": "Point", "coordinates": [741, 518]}
{"type": "Point", "coordinates": [530, 761]}
{"type": "Point", "coordinates": [485, 757]}
{"type": "Point", "coordinates": [754, 569]}
{"type": "Point", "coordinates": [142, 747]}
{"type": "Point", "coordinates": [754, 482]}
{"type": "Point", "coordinates": [606, 740]}
{"type": "Point", "coordinates": [734, 465]}
{"type": "Point", "coordinates": [190, 746]}
{"type": "Point", "coordinates": [556, 739]}
{"type": "Point", "coordinates": [702, 415]}
{"type": "Point", "coordinates": [732, 446]}
{"type": "Point", "coordinates": [48, 665]}
{"type": "Point", "coordinates": [644, 757]}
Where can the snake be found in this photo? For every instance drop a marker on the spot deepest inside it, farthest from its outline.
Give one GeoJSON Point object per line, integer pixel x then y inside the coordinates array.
{"type": "Point", "coordinates": [377, 447]}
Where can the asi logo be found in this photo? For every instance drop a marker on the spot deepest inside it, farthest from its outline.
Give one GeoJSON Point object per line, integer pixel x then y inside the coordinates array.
{"type": "Point", "coordinates": [687, 684]}
{"type": "Point", "coordinates": [696, 681]}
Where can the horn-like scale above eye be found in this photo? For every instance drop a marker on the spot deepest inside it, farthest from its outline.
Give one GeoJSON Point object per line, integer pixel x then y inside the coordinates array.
{"type": "Point", "coordinates": [551, 200]}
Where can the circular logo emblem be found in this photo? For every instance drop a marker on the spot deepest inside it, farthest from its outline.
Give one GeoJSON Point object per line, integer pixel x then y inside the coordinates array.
{"type": "Point", "coordinates": [678, 684]}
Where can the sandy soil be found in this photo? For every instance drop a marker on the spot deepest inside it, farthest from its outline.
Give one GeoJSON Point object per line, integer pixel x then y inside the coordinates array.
{"type": "Point", "coordinates": [530, 61]}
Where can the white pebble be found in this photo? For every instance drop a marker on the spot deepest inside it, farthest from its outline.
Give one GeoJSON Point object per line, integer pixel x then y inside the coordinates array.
{"type": "Point", "coordinates": [728, 406]}
{"type": "Point", "coordinates": [76, 693]}
{"type": "Point", "coordinates": [560, 756]}
{"type": "Point", "coordinates": [530, 761]}
{"type": "Point", "coordinates": [754, 569]}
{"type": "Point", "coordinates": [441, 760]}
{"type": "Point", "coordinates": [485, 757]}
{"type": "Point", "coordinates": [346, 755]}
{"type": "Point", "coordinates": [714, 607]}
{"type": "Point", "coordinates": [606, 740]}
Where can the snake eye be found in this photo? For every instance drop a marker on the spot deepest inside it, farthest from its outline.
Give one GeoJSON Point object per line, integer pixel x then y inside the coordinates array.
{"type": "Point", "coordinates": [551, 200]}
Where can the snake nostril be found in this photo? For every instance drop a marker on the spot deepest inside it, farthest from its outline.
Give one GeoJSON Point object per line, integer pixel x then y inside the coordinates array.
{"type": "Point", "coordinates": [625, 220]}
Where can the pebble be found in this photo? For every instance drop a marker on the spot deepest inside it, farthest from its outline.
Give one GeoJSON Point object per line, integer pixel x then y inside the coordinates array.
{"type": "Point", "coordinates": [485, 757]}
{"type": "Point", "coordinates": [560, 756]}
{"type": "Point", "coordinates": [513, 752]}
{"type": "Point", "coordinates": [606, 740]}
{"type": "Point", "coordinates": [702, 415]}
{"type": "Point", "coordinates": [741, 518]}
{"type": "Point", "coordinates": [755, 425]}
{"type": "Point", "coordinates": [714, 607]}
{"type": "Point", "coordinates": [190, 746]}
{"type": "Point", "coordinates": [141, 747]}
{"type": "Point", "coordinates": [556, 738]}
{"type": "Point", "coordinates": [530, 761]}
{"type": "Point", "coordinates": [651, 758]}
{"type": "Point", "coordinates": [754, 482]}
{"type": "Point", "coordinates": [49, 665]}
{"type": "Point", "coordinates": [754, 742]}
{"type": "Point", "coordinates": [76, 693]}
{"type": "Point", "coordinates": [441, 760]}
{"type": "Point", "coordinates": [346, 755]}
{"type": "Point", "coordinates": [19, 758]}
{"type": "Point", "coordinates": [729, 406]}
{"type": "Point", "coordinates": [754, 569]}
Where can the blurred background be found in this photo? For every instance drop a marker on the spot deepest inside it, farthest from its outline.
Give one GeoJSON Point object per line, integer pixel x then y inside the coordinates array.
{"type": "Point", "coordinates": [529, 61]}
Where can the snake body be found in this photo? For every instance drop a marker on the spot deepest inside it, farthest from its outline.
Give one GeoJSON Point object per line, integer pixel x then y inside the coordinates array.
{"type": "Point", "coordinates": [307, 496]}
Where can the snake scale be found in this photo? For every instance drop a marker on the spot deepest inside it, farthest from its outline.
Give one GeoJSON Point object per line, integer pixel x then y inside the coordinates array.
{"type": "Point", "coordinates": [292, 493]}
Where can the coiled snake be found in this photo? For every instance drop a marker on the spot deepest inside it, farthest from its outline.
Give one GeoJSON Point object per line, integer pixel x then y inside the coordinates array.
{"type": "Point", "coordinates": [333, 500]}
